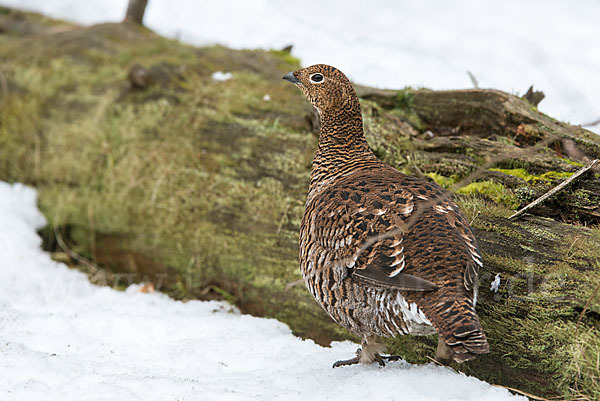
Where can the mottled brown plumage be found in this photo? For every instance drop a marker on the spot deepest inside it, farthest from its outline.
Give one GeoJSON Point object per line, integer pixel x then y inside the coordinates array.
{"type": "Point", "coordinates": [382, 252]}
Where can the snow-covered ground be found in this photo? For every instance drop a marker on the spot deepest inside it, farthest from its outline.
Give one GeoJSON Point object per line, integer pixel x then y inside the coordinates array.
{"type": "Point", "coordinates": [62, 338]}
{"type": "Point", "coordinates": [508, 44]}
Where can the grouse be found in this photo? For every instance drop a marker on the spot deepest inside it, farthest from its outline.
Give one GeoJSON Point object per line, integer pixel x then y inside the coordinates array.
{"type": "Point", "coordinates": [382, 252]}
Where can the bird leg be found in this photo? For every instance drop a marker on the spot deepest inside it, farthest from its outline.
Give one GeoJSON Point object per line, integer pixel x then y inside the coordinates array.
{"type": "Point", "coordinates": [443, 354]}
{"type": "Point", "coordinates": [370, 352]}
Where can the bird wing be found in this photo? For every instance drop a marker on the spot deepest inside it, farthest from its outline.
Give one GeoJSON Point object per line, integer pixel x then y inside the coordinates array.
{"type": "Point", "coordinates": [369, 227]}
{"type": "Point", "coordinates": [364, 230]}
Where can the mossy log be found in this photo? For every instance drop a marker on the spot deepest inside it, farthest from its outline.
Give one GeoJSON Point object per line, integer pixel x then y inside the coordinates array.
{"type": "Point", "coordinates": [198, 185]}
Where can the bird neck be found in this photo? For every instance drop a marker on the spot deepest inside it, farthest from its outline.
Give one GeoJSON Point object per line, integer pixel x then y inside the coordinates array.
{"type": "Point", "coordinates": [342, 146]}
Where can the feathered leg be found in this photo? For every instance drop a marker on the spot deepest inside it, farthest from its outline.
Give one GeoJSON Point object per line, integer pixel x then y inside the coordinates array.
{"type": "Point", "coordinates": [443, 354]}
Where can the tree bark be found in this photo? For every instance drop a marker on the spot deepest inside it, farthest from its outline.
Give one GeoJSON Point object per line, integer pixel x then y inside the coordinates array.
{"type": "Point", "coordinates": [135, 11]}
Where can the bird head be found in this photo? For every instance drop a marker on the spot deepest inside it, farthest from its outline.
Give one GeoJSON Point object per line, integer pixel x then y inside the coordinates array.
{"type": "Point", "coordinates": [326, 87]}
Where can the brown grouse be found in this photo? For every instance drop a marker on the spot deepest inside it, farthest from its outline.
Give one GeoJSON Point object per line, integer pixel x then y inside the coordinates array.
{"type": "Point", "coordinates": [382, 252]}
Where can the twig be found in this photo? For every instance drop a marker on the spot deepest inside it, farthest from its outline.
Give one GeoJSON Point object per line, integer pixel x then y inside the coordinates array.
{"type": "Point", "coordinates": [437, 362]}
{"type": "Point", "coordinates": [156, 187]}
{"type": "Point", "coordinates": [74, 255]}
{"type": "Point", "coordinates": [473, 79]}
{"type": "Point", "coordinates": [293, 284]}
{"type": "Point", "coordinates": [474, 217]}
{"type": "Point", "coordinates": [555, 189]}
{"type": "Point", "coordinates": [572, 245]}
{"type": "Point", "coordinates": [418, 171]}
{"type": "Point", "coordinates": [534, 397]}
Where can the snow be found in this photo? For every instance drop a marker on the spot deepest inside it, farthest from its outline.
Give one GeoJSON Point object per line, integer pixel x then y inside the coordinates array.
{"type": "Point", "coordinates": [506, 45]}
{"type": "Point", "coordinates": [62, 338]}
{"type": "Point", "coordinates": [495, 283]}
{"type": "Point", "coordinates": [221, 76]}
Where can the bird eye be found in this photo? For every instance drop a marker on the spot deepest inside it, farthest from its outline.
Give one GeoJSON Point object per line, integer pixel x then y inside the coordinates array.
{"type": "Point", "coordinates": [316, 78]}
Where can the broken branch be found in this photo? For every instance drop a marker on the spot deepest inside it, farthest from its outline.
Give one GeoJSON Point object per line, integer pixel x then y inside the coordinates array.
{"type": "Point", "coordinates": [555, 189]}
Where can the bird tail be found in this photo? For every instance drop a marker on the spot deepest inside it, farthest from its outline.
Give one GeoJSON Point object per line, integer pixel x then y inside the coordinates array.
{"type": "Point", "coordinates": [468, 344]}
{"type": "Point", "coordinates": [463, 339]}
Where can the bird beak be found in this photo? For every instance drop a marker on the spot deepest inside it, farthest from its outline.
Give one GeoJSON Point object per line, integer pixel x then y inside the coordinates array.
{"type": "Point", "coordinates": [290, 77]}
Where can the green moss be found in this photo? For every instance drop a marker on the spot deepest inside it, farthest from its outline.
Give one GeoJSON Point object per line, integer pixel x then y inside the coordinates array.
{"type": "Point", "coordinates": [523, 174]}
{"type": "Point", "coordinates": [405, 98]}
{"type": "Point", "coordinates": [286, 57]}
{"type": "Point", "coordinates": [554, 175]}
{"type": "Point", "coordinates": [584, 368]}
{"type": "Point", "coordinates": [475, 207]}
{"type": "Point", "coordinates": [506, 140]}
{"type": "Point", "coordinates": [403, 109]}
{"type": "Point", "coordinates": [572, 162]}
{"type": "Point", "coordinates": [388, 143]}
{"type": "Point", "coordinates": [539, 290]}
{"type": "Point", "coordinates": [586, 198]}
{"type": "Point", "coordinates": [442, 181]}
{"type": "Point", "coordinates": [493, 190]}
{"type": "Point", "coordinates": [515, 172]}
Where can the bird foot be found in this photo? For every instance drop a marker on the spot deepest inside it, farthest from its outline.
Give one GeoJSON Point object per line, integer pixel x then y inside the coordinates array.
{"type": "Point", "coordinates": [391, 358]}
{"type": "Point", "coordinates": [348, 362]}
{"type": "Point", "coordinates": [380, 359]}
